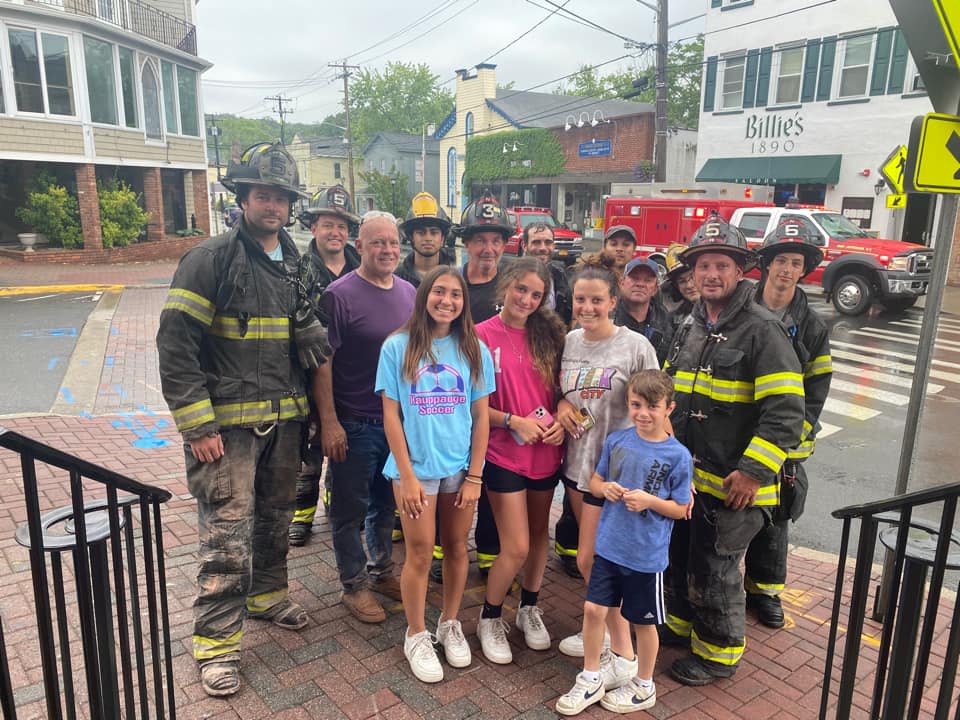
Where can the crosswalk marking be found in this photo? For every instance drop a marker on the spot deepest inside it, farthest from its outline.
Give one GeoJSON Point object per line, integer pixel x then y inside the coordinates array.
{"type": "Point", "coordinates": [857, 412]}
{"type": "Point", "coordinates": [880, 377]}
{"type": "Point", "coordinates": [917, 326]}
{"type": "Point", "coordinates": [826, 430]}
{"type": "Point", "coordinates": [910, 340]}
{"type": "Point", "coordinates": [865, 391]}
{"type": "Point", "coordinates": [865, 352]}
{"type": "Point", "coordinates": [892, 365]}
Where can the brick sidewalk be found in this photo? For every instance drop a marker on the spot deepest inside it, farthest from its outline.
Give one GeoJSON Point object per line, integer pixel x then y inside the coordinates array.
{"type": "Point", "coordinates": [337, 667]}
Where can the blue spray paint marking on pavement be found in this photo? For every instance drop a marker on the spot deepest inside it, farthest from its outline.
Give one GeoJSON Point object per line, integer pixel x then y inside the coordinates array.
{"type": "Point", "coordinates": [52, 363]}
{"type": "Point", "coordinates": [66, 395]}
{"type": "Point", "coordinates": [108, 361]}
{"type": "Point", "coordinates": [85, 414]}
{"type": "Point", "coordinates": [146, 438]}
{"type": "Point", "coordinates": [52, 332]}
{"type": "Point", "coordinates": [114, 331]}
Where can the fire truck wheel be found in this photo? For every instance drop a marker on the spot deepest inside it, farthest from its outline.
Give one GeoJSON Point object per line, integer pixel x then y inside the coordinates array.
{"type": "Point", "coordinates": [852, 295]}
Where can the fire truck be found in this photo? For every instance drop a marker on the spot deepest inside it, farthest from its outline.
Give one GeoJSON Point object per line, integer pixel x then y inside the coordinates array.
{"type": "Point", "coordinates": [857, 268]}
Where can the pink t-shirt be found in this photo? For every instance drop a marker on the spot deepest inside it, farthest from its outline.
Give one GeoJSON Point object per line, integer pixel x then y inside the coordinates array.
{"type": "Point", "coordinates": [520, 391]}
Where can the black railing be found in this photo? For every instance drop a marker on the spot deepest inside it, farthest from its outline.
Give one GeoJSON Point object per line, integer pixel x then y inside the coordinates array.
{"type": "Point", "coordinates": [903, 656]}
{"type": "Point", "coordinates": [121, 611]}
{"type": "Point", "coordinates": [136, 16]}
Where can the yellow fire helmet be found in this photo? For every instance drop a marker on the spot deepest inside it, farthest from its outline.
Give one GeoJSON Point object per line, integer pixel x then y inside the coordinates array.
{"type": "Point", "coordinates": [673, 261]}
{"type": "Point", "coordinates": [424, 212]}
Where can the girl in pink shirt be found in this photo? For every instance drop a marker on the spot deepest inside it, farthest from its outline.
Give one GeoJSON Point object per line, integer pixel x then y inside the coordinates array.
{"type": "Point", "coordinates": [524, 450]}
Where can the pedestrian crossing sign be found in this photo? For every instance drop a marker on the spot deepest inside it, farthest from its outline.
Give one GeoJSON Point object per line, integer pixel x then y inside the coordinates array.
{"type": "Point", "coordinates": [933, 159]}
{"type": "Point", "coordinates": [897, 201]}
{"type": "Point", "coordinates": [892, 169]}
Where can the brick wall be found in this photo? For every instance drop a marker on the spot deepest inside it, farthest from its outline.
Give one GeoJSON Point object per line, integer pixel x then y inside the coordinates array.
{"type": "Point", "coordinates": [89, 201]}
{"type": "Point", "coordinates": [632, 139]}
{"type": "Point", "coordinates": [153, 199]}
{"type": "Point", "coordinates": [201, 200]}
{"type": "Point", "coordinates": [167, 249]}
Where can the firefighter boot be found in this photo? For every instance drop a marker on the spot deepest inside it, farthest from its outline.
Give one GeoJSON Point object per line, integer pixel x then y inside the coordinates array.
{"type": "Point", "coordinates": [768, 608]}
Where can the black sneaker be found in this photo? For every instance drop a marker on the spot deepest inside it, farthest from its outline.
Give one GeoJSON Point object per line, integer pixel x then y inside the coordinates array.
{"type": "Point", "coordinates": [299, 533]}
{"type": "Point", "coordinates": [696, 671]}
{"type": "Point", "coordinates": [569, 563]}
{"type": "Point", "coordinates": [768, 608]}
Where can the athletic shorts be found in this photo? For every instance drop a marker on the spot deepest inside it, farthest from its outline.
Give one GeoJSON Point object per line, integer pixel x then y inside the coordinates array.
{"type": "Point", "coordinates": [588, 497]}
{"type": "Point", "coordinates": [639, 595]}
{"type": "Point", "coordinates": [450, 484]}
{"type": "Point", "coordinates": [499, 479]}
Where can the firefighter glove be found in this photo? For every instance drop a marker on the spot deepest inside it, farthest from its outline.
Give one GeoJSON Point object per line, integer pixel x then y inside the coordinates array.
{"type": "Point", "coordinates": [310, 336]}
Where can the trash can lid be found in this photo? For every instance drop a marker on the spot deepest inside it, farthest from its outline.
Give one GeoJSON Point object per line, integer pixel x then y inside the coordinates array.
{"type": "Point", "coordinates": [922, 545]}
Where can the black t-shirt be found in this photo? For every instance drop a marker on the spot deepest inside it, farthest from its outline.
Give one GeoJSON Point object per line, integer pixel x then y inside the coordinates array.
{"type": "Point", "coordinates": [483, 297]}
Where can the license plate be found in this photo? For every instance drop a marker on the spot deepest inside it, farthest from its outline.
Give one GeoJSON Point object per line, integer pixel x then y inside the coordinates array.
{"type": "Point", "coordinates": [562, 253]}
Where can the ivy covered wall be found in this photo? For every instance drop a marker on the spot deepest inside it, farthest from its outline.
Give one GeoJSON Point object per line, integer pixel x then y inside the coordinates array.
{"type": "Point", "coordinates": [538, 154]}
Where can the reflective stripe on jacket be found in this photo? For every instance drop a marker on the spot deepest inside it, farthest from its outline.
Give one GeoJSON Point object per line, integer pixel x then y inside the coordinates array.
{"type": "Point", "coordinates": [225, 340]}
{"type": "Point", "coordinates": [739, 395]}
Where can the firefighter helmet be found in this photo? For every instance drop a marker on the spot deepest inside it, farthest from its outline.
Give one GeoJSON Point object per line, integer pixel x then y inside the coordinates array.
{"type": "Point", "coordinates": [484, 214]}
{"type": "Point", "coordinates": [335, 201]}
{"type": "Point", "coordinates": [793, 235]}
{"type": "Point", "coordinates": [717, 235]}
{"type": "Point", "coordinates": [424, 212]}
{"type": "Point", "coordinates": [673, 260]}
{"type": "Point", "coordinates": [264, 164]}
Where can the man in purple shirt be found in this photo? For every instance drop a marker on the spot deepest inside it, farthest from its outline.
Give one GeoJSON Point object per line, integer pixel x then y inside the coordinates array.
{"type": "Point", "coordinates": [363, 307]}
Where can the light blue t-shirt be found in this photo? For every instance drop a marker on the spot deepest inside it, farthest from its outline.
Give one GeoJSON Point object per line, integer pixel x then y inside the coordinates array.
{"type": "Point", "coordinates": [276, 254]}
{"type": "Point", "coordinates": [640, 540]}
{"type": "Point", "coordinates": [435, 407]}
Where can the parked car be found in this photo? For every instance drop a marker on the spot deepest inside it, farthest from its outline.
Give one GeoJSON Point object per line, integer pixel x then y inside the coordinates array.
{"type": "Point", "coordinates": [568, 245]}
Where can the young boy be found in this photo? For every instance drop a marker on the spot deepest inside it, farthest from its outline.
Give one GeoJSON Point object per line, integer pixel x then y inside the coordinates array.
{"type": "Point", "coordinates": [644, 475]}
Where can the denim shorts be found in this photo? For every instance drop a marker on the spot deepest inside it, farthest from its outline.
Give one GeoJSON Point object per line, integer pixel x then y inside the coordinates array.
{"type": "Point", "coordinates": [432, 486]}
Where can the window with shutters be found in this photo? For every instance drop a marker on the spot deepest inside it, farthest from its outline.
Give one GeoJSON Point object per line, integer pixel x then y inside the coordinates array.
{"type": "Point", "coordinates": [789, 72]}
{"type": "Point", "coordinates": [731, 84]}
{"type": "Point", "coordinates": [854, 66]}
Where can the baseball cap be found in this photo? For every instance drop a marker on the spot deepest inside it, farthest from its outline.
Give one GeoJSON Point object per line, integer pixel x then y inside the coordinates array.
{"type": "Point", "coordinates": [621, 229]}
{"type": "Point", "coordinates": [651, 265]}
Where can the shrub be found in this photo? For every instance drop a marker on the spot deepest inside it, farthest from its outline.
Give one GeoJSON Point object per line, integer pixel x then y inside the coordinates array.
{"type": "Point", "coordinates": [53, 211]}
{"type": "Point", "coordinates": [121, 217]}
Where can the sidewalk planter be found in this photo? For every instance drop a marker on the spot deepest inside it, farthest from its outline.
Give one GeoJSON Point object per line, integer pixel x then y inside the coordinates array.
{"type": "Point", "coordinates": [27, 240]}
{"type": "Point", "coordinates": [170, 248]}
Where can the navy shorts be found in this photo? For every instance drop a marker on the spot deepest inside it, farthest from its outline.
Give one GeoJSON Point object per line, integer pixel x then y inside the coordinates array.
{"type": "Point", "coordinates": [588, 497]}
{"type": "Point", "coordinates": [639, 595]}
{"type": "Point", "coordinates": [499, 479]}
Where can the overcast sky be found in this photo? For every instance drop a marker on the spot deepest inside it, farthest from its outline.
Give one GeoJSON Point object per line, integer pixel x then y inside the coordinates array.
{"type": "Point", "coordinates": [258, 52]}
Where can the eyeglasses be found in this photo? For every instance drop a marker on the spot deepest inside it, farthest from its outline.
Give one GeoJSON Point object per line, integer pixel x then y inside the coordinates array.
{"type": "Point", "coordinates": [371, 214]}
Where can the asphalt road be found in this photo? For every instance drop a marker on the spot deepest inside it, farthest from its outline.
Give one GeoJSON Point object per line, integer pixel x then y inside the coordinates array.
{"type": "Point", "coordinates": [38, 334]}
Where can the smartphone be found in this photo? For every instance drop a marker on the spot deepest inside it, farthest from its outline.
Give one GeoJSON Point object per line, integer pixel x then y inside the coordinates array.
{"type": "Point", "coordinates": [542, 416]}
{"type": "Point", "coordinates": [585, 420]}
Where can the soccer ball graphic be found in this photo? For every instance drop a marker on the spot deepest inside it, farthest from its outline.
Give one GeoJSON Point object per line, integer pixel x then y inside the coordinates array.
{"type": "Point", "coordinates": [433, 379]}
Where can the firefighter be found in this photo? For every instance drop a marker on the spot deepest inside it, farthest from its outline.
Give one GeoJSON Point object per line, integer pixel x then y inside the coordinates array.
{"type": "Point", "coordinates": [787, 256]}
{"type": "Point", "coordinates": [332, 222]}
{"type": "Point", "coordinates": [739, 409]}
{"type": "Point", "coordinates": [639, 308]}
{"type": "Point", "coordinates": [426, 226]}
{"type": "Point", "coordinates": [678, 292]}
{"type": "Point", "coordinates": [237, 335]}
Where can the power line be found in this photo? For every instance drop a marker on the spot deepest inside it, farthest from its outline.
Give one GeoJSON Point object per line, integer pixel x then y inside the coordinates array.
{"type": "Point", "coordinates": [425, 32]}
{"type": "Point", "coordinates": [763, 19]}
{"type": "Point", "coordinates": [423, 18]}
{"type": "Point", "coordinates": [524, 34]}
{"type": "Point", "coordinates": [345, 74]}
{"type": "Point", "coordinates": [588, 22]}
{"type": "Point", "coordinates": [281, 110]}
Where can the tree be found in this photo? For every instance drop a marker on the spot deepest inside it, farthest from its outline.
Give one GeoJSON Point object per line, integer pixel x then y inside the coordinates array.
{"type": "Point", "coordinates": [390, 190]}
{"type": "Point", "coordinates": [684, 71]}
{"type": "Point", "coordinates": [403, 98]}
{"type": "Point", "coordinates": [247, 131]}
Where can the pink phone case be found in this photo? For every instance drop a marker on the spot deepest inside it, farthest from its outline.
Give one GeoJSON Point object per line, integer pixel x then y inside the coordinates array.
{"type": "Point", "coordinates": [542, 416]}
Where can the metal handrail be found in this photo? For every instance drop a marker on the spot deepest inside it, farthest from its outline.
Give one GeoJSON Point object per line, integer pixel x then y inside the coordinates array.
{"type": "Point", "coordinates": [904, 653]}
{"type": "Point", "coordinates": [109, 591]}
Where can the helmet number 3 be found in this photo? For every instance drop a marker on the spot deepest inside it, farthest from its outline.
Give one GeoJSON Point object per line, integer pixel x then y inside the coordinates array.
{"type": "Point", "coordinates": [488, 211]}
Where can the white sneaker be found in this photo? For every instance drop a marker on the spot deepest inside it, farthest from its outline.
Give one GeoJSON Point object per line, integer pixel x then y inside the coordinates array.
{"type": "Point", "coordinates": [630, 698]}
{"type": "Point", "coordinates": [572, 645]}
{"type": "Point", "coordinates": [615, 670]}
{"type": "Point", "coordinates": [493, 640]}
{"type": "Point", "coordinates": [530, 623]}
{"type": "Point", "coordinates": [582, 695]}
{"type": "Point", "coordinates": [422, 657]}
{"type": "Point", "coordinates": [455, 647]}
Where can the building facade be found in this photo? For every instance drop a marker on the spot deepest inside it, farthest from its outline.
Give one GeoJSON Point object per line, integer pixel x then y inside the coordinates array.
{"type": "Point", "coordinates": [602, 141]}
{"type": "Point", "coordinates": [811, 100]}
{"type": "Point", "coordinates": [389, 152]}
{"type": "Point", "coordinates": [93, 91]}
{"type": "Point", "coordinates": [324, 162]}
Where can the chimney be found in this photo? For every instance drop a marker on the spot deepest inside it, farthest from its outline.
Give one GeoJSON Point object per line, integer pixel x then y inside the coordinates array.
{"type": "Point", "coordinates": [487, 75]}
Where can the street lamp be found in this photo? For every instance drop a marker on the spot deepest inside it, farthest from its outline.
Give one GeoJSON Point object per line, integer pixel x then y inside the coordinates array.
{"type": "Point", "coordinates": [393, 189]}
{"type": "Point", "coordinates": [427, 130]}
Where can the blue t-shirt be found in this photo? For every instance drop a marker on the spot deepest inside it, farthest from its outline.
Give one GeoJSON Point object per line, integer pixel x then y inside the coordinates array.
{"type": "Point", "coordinates": [640, 540]}
{"type": "Point", "coordinates": [435, 407]}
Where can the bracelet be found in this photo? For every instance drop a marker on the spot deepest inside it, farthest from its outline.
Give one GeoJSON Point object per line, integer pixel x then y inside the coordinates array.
{"type": "Point", "coordinates": [472, 479]}
{"type": "Point", "coordinates": [506, 420]}
{"type": "Point", "coordinates": [475, 477]}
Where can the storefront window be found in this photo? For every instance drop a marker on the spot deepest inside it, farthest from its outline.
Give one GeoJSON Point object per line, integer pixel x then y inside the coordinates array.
{"type": "Point", "coordinates": [128, 86]}
{"type": "Point", "coordinates": [732, 96]}
{"type": "Point", "coordinates": [856, 66]}
{"type": "Point", "coordinates": [187, 87]}
{"type": "Point", "coordinates": [101, 86]}
{"type": "Point", "coordinates": [788, 80]}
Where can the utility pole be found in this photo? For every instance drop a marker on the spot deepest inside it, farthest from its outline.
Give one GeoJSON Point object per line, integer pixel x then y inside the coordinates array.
{"type": "Point", "coordinates": [660, 146]}
{"type": "Point", "coordinates": [215, 134]}
{"type": "Point", "coordinates": [345, 74]}
{"type": "Point", "coordinates": [281, 108]}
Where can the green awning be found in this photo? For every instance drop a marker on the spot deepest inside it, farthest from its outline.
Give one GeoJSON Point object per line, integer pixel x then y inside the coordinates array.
{"type": "Point", "coordinates": [770, 170]}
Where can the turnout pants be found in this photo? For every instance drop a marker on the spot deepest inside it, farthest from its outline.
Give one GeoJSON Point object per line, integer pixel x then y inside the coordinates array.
{"type": "Point", "coordinates": [566, 533]}
{"type": "Point", "coordinates": [485, 533]}
{"type": "Point", "coordinates": [719, 538]}
{"type": "Point", "coordinates": [766, 559]}
{"type": "Point", "coordinates": [244, 506]}
{"type": "Point", "coordinates": [308, 487]}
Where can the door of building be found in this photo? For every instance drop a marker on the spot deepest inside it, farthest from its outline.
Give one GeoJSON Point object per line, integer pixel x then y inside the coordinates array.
{"type": "Point", "coordinates": [919, 217]}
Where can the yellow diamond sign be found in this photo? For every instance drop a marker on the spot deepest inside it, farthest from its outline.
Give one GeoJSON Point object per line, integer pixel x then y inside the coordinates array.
{"type": "Point", "coordinates": [892, 168]}
{"type": "Point", "coordinates": [933, 160]}
{"type": "Point", "coordinates": [948, 11]}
